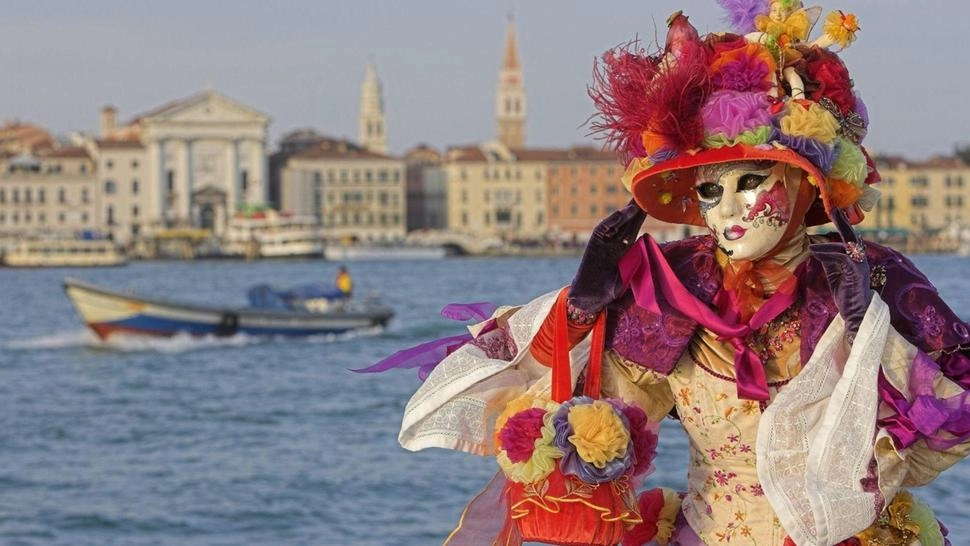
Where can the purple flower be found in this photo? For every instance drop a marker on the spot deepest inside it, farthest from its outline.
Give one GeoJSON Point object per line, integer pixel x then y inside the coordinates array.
{"type": "Point", "coordinates": [746, 73]}
{"type": "Point", "coordinates": [731, 113]}
{"type": "Point", "coordinates": [571, 464]}
{"type": "Point", "coordinates": [819, 154]}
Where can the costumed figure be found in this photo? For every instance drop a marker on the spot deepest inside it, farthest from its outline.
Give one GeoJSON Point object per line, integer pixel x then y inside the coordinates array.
{"type": "Point", "coordinates": [817, 376]}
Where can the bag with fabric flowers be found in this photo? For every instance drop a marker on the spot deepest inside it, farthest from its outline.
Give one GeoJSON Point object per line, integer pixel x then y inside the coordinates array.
{"type": "Point", "coordinates": [572, 463]}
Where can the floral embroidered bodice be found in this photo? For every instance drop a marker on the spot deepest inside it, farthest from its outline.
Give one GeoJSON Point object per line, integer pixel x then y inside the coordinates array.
{"type": "Point", "coordinates": [725, 502]}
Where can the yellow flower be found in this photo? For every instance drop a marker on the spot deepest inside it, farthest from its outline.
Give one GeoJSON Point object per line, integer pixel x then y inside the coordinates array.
{"type": "Point", "coordinates": [598, 433]}
{"type": "Point", "coordinates": [841, 27]}
{"type": "Point", "coordinates": [812, 122]}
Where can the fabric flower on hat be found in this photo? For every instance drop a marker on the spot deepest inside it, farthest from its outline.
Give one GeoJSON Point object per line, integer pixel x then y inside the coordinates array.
{"type": "Point", "coordinates": [728, 114]}
{"type": "Point", "coordinates": [809, 120]}
{"type": "Point", "coordinates": [827, 76]}
{"type": "Point", "coordinates": [840, 27]}
{"type": "Point", "coordinates": [821, 155]}
{"type": "Point", "coordinates": [742, 66]}
{"type": "Point", "coordinates": [850, 164]}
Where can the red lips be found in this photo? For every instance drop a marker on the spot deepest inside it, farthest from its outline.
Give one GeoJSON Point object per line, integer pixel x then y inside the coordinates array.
{"type": "Point", "coordinates": [734, 233]}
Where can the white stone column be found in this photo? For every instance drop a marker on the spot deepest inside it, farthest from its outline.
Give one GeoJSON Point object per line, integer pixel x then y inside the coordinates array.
{"type": "Point", "coordinates": [189, 179]}
{"type": "Point", "coordinates": [182, 184]}
{"type": "Point", "coordinates": [156, 188]}
{"type": "Point", "coordinates": [231, 183]}
{"type": "Point", "coordinates": [258, 171]}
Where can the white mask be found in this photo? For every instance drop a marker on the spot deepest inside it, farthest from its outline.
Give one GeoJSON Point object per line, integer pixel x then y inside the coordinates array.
{"type": "Point", "coordinates": [747, 205]}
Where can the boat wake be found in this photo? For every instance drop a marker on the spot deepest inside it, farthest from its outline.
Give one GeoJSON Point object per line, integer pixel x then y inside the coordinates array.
{"type": "Point", "coordinates": [179, 343]}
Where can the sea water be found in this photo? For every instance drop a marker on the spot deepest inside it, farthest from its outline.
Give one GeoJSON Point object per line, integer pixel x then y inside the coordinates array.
{"type": "Point", "coordinates": [248, 441]}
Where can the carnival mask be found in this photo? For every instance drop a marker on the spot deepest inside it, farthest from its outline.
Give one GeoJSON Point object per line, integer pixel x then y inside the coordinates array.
{"type": "Point", "coordinates": [747, 205]}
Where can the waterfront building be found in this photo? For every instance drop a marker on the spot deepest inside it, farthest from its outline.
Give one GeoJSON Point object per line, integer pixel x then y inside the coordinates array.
{"type": "Point", "coordinates": [921, 196]}
{"type": "Point", "coordinates": [49, 192]}
{"type": "Point", "coordinates": [372, 133]}
{"type": "Point", "coordinates": [493, 190]}
{"type": "Point", "coordinates": [17, 137]}
{"type": "Point", "coordinates": [426, 192]}
{"type": "Point", "coordinates": [189, 163]}
{"type": "Point", "coordinates": [291, 143]}
{"type": "Point", "coordinates": [510, 96]}
{"type": "Point", "coordinates": [584, 186]}
{"type": "Point", "coordinates": [355, 193]}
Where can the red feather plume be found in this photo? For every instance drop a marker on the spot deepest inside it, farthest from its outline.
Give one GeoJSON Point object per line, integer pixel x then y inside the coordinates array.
{"type": "Point", "coordinates": [662, 94]}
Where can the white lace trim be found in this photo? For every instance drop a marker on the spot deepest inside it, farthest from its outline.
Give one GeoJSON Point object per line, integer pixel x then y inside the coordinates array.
{"type": "Point", "coordinates": [815, 440]}
{"type": "Point", "coordinates": [456, 406]}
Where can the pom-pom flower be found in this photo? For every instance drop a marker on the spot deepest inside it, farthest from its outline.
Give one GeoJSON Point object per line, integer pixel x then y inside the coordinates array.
{"type": "Point", "coordinates": [730, 113]}
{"type": "Point", "coordinates": [597, 441]}
{"type": "Point", "coordinates": [594, 439]}
{"type": "Point", "coordinates": [809, 121]}
{"type": "Point", "coordinates": [850, 165]}
{"type": "Point", "coordinates": [526, 453]}
{"type": "Point", "coordinates": [742, 66]}
{"type": "Point", "coordinates": [841, 27]}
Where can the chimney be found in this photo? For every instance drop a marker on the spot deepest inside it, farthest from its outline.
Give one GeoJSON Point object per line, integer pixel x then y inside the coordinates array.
{"type": "Point", "coordinates": [108, 115]}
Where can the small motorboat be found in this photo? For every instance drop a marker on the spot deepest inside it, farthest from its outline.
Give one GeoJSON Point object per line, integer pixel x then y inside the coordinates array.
{"type": "Point", "coordinates": [108, 311]}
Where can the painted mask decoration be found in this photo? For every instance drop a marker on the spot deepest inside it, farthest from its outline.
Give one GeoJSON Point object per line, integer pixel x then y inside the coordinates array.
{"type": "Point", "coordinates": [747, 205]}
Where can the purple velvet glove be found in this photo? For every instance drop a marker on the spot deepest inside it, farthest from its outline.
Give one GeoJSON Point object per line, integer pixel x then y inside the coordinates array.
{"type": "Point", "coordinates": [847, 272]}
{"type": "Point", "coordinates": [597, 280]}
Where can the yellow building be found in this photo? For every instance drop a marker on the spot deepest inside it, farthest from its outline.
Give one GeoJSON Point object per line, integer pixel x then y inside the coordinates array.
{"type": "Point", "coordinates": [49, 192]}
{"type": "Point", "coordinates": [355, 193]}
{"type": "Point", "coordinates": [496, 191]}
{"type": "Point", "coordinates": [921, 198]}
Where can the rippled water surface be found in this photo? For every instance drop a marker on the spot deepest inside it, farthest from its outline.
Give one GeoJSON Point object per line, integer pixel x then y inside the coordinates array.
{"type": "Point", "coordinates": [252, 441]}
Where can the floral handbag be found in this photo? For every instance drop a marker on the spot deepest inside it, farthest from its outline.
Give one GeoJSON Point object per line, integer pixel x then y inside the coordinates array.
{"type": "Point", "coordinates": [572, 463]}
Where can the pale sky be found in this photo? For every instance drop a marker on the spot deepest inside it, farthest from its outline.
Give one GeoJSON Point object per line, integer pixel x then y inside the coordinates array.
{"type": "Point", "coordinates": [302, 62]}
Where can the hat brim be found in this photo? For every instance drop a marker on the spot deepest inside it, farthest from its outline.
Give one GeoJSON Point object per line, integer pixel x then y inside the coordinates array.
{"type": "Point", "coordinates": [666, 190]}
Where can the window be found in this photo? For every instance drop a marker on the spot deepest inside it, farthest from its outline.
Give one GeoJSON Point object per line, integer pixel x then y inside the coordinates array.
{"type": "Point", "coordinates": [16, 195]}
{"type": "Point", "coordinates": [3, 196]}
{"type": "Point", "coordinates": [27, 195]}
{"type": "Point", "coordinates": [61, 195]}
{"type": "Point", "coordinates": [41, 195]}
{"type": "Point", "coordinates": [84, 195]}
{"type": "Point", "coordinates": [317, 177]}
{"type": "Point", "coordinates": [61, 218]}
{"type": "Point", "coordinates": [110, 187]}
{"type": "Point", "coordinates": [84, 168]}
{"type": "Point", "coordinates": [134, 187]}
{"type": "Point", "coordinates": [134, 211]}
{"type": "Point", "coordinates": [919, 201]}
{"type": "Point", "coordinates": [244, 181]}
{"type": "Point", "coordinates": [84, 217]}
{"type": "Point", "coordinates": [41, 218]}
{"type": "Point", "coordinates": [919, 182]}
{"type": "Point", "coordinates": [110, 216]}
{"type": "Point", "coordinates": [170, 181]}
{"type": "Point", "coordinates": [134, 163]}
{"type": "Point", "coordinates": [109, 164]}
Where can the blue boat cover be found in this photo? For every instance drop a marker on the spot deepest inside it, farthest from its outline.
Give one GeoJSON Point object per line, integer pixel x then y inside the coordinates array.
{"type": "Point", "coordinates": [264, 296]}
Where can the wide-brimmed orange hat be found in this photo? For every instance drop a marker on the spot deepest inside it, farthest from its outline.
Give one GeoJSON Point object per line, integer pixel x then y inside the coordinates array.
{"type": "Point", "coordinates": [765, 95]}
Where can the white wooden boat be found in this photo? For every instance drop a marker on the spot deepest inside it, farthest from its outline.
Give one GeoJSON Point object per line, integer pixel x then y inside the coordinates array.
{"type": "Point", "coordinates": [108, 311]}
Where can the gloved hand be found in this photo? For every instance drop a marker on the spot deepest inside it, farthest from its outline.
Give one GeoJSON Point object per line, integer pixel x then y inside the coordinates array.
{"type": "Point", "coordinates": [847, 272]}
{"type": "Point", "coordinates": [597, 280]}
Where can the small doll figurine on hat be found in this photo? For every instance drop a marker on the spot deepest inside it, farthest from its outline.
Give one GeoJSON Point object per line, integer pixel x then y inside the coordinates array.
{"type": "Point", "coordinates": [816, 376]}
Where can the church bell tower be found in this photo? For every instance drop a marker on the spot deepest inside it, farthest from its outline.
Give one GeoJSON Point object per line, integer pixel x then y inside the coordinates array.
{"type": "Point", "coordinates": [510, 98]}
{"type": "Point", "coordinates": [371, 134]}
